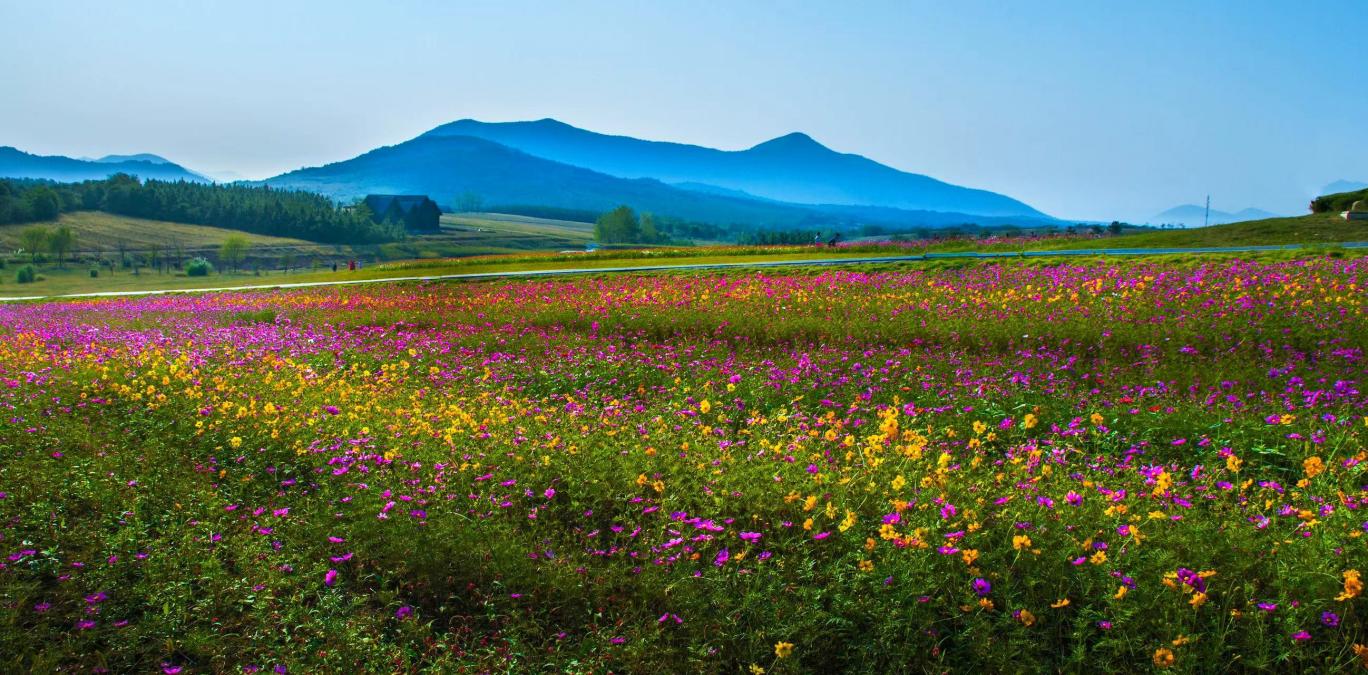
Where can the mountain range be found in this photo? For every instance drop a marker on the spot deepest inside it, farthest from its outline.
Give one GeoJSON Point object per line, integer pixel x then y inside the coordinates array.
{"type": "Point", "coordinates": [1192, 215]}
{"type": "Point", "coordinates": [790, 181]}
{"type": "Point", "coordinates": [791, 168]}
{"type": "Point", "coordinates": [16, 163]}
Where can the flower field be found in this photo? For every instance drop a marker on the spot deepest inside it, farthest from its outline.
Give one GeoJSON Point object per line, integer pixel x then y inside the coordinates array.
{"type": "Point", "coordinates": [1106, 467]}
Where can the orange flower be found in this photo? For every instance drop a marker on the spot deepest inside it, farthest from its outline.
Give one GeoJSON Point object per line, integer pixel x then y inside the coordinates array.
{"type": "Point", "coordinates": [1163, 657]}
{"type": "Point", "coordinates": [1353, 585]}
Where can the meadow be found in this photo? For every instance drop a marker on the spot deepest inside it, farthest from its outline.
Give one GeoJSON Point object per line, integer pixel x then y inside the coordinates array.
{"type": "Point", "coordinates": [1091, 466]}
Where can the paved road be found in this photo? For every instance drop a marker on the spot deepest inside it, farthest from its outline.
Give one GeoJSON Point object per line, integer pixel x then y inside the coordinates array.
{"type": "Point", "coordinates": [707, 266]}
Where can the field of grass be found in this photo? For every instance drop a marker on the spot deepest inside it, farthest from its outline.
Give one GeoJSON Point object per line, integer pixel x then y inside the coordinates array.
{"type": "Point", "coordinates": [490, 243]}
{"type": "Point", "coordinates": [101, 233]}
{"type": "Point", "coordinates": [1087, 466]}
{"type": "Point", "coordinates": [1310, 229]}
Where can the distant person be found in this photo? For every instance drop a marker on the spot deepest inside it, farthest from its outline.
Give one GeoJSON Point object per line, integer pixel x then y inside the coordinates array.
{"type": "Point", "coordinates": [334, 266]}
{"type": "Point", "coordinates": [834, 239]}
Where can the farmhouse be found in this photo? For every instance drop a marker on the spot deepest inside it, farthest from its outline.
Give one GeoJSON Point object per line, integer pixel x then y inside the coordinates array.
{"type": "Point", "coordinates": [416, 212]}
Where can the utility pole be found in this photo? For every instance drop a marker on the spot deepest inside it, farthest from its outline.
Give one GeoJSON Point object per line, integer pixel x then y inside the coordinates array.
{"type": "Point", "coordinates": [1206, 215]}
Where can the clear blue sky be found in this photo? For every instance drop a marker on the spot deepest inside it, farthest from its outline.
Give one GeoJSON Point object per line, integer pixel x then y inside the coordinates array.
{"type": "Point", "coordinates": [1083, 109]}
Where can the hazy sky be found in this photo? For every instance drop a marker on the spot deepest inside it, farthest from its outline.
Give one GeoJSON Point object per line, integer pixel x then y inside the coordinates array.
{"type": "Point", "coordinates": [1082, 109]}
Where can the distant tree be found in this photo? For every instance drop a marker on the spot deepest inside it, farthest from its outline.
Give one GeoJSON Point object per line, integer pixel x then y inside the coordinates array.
{"type": "Point", "coordinates": [154, 255]}
{"type": "Point", "coordinates": [179, 250]}
{"type": "Point", "coordinates": [650, 234]}
{"type": "Point", "coordinates": [61, 241]}
{"type": "Point", "coordinates": [618, 226]}
{"type": "Point", "coordinates": [121, 245]}
{"type": "Point", "coordinates": [34, 240]}
{"type": "Point", "coordinates": [469, 202]}
{"type": "Point", "coordinates": [233, 250]}
{"type": "Point", "coordinates": [1115, 227]}
{"type": "Point", "coordinates": [43, 203]}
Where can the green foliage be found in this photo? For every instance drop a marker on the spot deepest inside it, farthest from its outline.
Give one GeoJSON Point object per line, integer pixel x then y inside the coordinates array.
{"type": "Point", "coordinates": [1335, 203]}
{"type": "Point", "coordinates": [34, 240]}
{"type": "Point", "coordinates": [233, 250]}
{"type": "Point", "coordinates": [26, 274]}
{"type": "Point", "coordinates": [198, 267]}
{"type": "Point", "coordinates": [259, 210]}
{"type": "Point", "coordinates": [60, 242]}
{"type": "Point", "coordinates": [618, 226]}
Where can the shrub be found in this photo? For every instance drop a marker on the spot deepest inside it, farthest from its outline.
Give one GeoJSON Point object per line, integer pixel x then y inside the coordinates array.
{"type": "Point", "coordinates": [26, 274]}
{"type": "Point", "coordinates": [94, 272]}
{"type": "Point", "coordinates": [199, 267]}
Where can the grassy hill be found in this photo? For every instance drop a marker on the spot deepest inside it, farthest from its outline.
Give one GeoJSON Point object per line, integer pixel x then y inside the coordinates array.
{"type": "Point", "coordinates": [1317, 228]}
{"type": "Point", "coordinates": [103, 232]}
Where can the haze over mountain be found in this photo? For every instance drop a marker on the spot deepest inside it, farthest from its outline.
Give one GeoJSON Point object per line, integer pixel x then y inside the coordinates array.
{"type": "Point", "coordinates": [1343, 186]}
{"type": "Point", "coordinates": [445, 167]}
{"type": "Point", "coordinates": [15, 163]}
{"type": "Point", "coordinates": [1192, 215]}
{"type": "Point", "coordinates": [792, 168]}
{"type": "Point", "coordinates": [140, 157]}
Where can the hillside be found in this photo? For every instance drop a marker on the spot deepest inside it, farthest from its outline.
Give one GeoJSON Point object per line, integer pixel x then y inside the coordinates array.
{"type": "Point", "coordinates": [792, 168]}
{"type": "Point", "coordinates": [105, 232]}
{"type": "Point", "coordinates": [1319, 228]}
{"type": "Point", "coordinates": [15, 163]}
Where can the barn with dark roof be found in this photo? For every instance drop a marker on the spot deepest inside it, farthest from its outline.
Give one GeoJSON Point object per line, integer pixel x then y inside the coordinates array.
{"type": "Point", "coordinates": [417, 212]}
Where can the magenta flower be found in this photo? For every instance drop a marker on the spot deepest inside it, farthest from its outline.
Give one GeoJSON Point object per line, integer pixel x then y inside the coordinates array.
{"type": "Point", "coordinates": [982, 587]}
{"type": "Point", "coordinates": [330, 578]}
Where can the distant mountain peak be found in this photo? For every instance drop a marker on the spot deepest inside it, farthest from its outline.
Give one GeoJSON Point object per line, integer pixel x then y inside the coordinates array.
{"type": "Point", "coordinates": [792, 168]}
{"type": "Point", "coordinates": [1343, 186]}
{"type": "Point", "coordinates": [140, 157]}
{"type": "Point", "coordinates": [795, 141]}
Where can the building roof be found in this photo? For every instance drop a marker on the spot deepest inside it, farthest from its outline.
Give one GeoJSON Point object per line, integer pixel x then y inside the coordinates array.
{"type": "Point", "coordinates": [381, 203]}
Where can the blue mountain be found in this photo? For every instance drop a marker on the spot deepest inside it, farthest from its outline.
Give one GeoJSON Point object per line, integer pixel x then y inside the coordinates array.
{"type": "Point", "coordinates": [16, 163]}
{"type": "Point", "coordinates": [444, 167]}
{"type": "Point", "coordinates": [792, 168]}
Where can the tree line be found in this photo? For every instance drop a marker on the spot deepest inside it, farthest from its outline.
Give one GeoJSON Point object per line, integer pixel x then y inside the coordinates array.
{"type": "Point", "coordinates": [259, 210]}
{"type": "Point", "coordinates": [623, 225]}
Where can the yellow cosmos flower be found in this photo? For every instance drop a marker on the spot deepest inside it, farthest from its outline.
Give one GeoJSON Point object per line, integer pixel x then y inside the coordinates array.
{"type": "Point", "coordinates": [1353, 585]}
{"type": "Point", "coordinates": [1163, 657]}
{"type": "Point", "coordinates": [783, 649]}
{"type": "Point", "coordinates": [1314, 466]}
